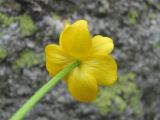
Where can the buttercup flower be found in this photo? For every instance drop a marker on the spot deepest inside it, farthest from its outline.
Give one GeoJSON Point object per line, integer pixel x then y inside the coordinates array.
{"type": "Point", "coordinates": [97, 66]}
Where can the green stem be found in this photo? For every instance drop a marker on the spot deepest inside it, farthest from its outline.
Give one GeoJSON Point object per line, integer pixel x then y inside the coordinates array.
{"type": "Point", "coordinates": [20, 114]}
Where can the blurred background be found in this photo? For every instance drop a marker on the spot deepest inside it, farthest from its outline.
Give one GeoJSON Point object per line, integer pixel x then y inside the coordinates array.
{"type": "Point", "coordinates": [27, 26]}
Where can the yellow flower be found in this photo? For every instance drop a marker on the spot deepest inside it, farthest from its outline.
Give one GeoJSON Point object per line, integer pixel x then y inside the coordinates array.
{"type": "Point", "coordinates": [97, 66]}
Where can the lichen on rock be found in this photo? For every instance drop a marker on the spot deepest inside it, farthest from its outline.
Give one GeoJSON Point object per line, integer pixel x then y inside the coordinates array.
{"type": "Point", "coordinates": [28, 58]}
{"type": "Point", "coordinates": [3, 53]}
{"type": "Point", "coordinates": [27, 25]}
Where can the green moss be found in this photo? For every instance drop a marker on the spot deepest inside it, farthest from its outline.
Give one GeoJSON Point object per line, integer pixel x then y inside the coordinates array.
{"type": "Point", "coordinates": [55, 16]}
{"type": "Point", "coordinates": [133, 16]}
{"type": "Point", "coordinates": [152, 16]}
{"type": "Point", "coordinates": [117, 98]}
{"type": "Point", "coordinates": [158, 6]}
{"type": "Point", "coordinates": [26, 25]}
{"type": "Point", "coordinates": [1, 34]}
{"type": "Point", "coordinates": [157, 45]}
{"type": "Point", "coordinates": [5, 20]}
{"type": "Point", "coordinates": [28, 58]}
{"type": "Point", "coordinates": [3, 53]}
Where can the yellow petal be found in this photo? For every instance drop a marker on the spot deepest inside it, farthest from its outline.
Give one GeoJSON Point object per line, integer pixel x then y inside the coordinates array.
{"type": "Point", "coordinates": [104, 69]}
{"type": "Point", "coordinates": [56, 59]}
{"type": "Point", "coordinates": [82, 85]}
{"type": "Point", "coordinates": [102, 45]}
{"type": "Point", "coordinates": [76, 39]}
{"type": "Point", "coordinates": [65, 27]}
{"type": "Point", "coordinates": [67, 24]}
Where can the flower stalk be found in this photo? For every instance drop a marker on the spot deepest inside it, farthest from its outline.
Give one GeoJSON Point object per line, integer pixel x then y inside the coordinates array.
{"type": "Point", "coordinates": [20, 114]}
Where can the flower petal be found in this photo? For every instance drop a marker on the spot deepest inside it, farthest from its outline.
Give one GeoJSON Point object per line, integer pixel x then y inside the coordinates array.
{"type": "Point", "coordinates": [56, 59]}
{"type": "Point", "coordinates": [102, 45]}
{"type": "Point", "coordinates": [104, 69]}
{"type": "Point", "coordinates": [76, 39]}
{"type": "Point", "coordinates": [65, 27]}
{"type": "Point", "coordinates": [82, 85]}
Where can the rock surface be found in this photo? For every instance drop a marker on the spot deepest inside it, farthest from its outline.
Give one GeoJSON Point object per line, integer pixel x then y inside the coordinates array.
{"type": "Point", "coordinates": [27, 26]}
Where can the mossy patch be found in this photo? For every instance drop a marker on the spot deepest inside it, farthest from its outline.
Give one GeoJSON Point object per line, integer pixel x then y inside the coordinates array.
{"type": "Point", "coordinates": [26, 25]}
{"type": "Point", "coordinates": [5, 20]}
{"type": "Point", "coordinates": [3, 53]}
{"type": "Point", "coordinates": [28, 58]}
{"type": "Point", "coordinates": [152, 16]}
{"type": "Point", "coordinates": [55, 16]}
{"type": "Point", "coordinates": [133, 16]}
{"type": "Point", "coordinates": [1, 34]}
{"type": "Point", "coordinates": [117, 98]}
